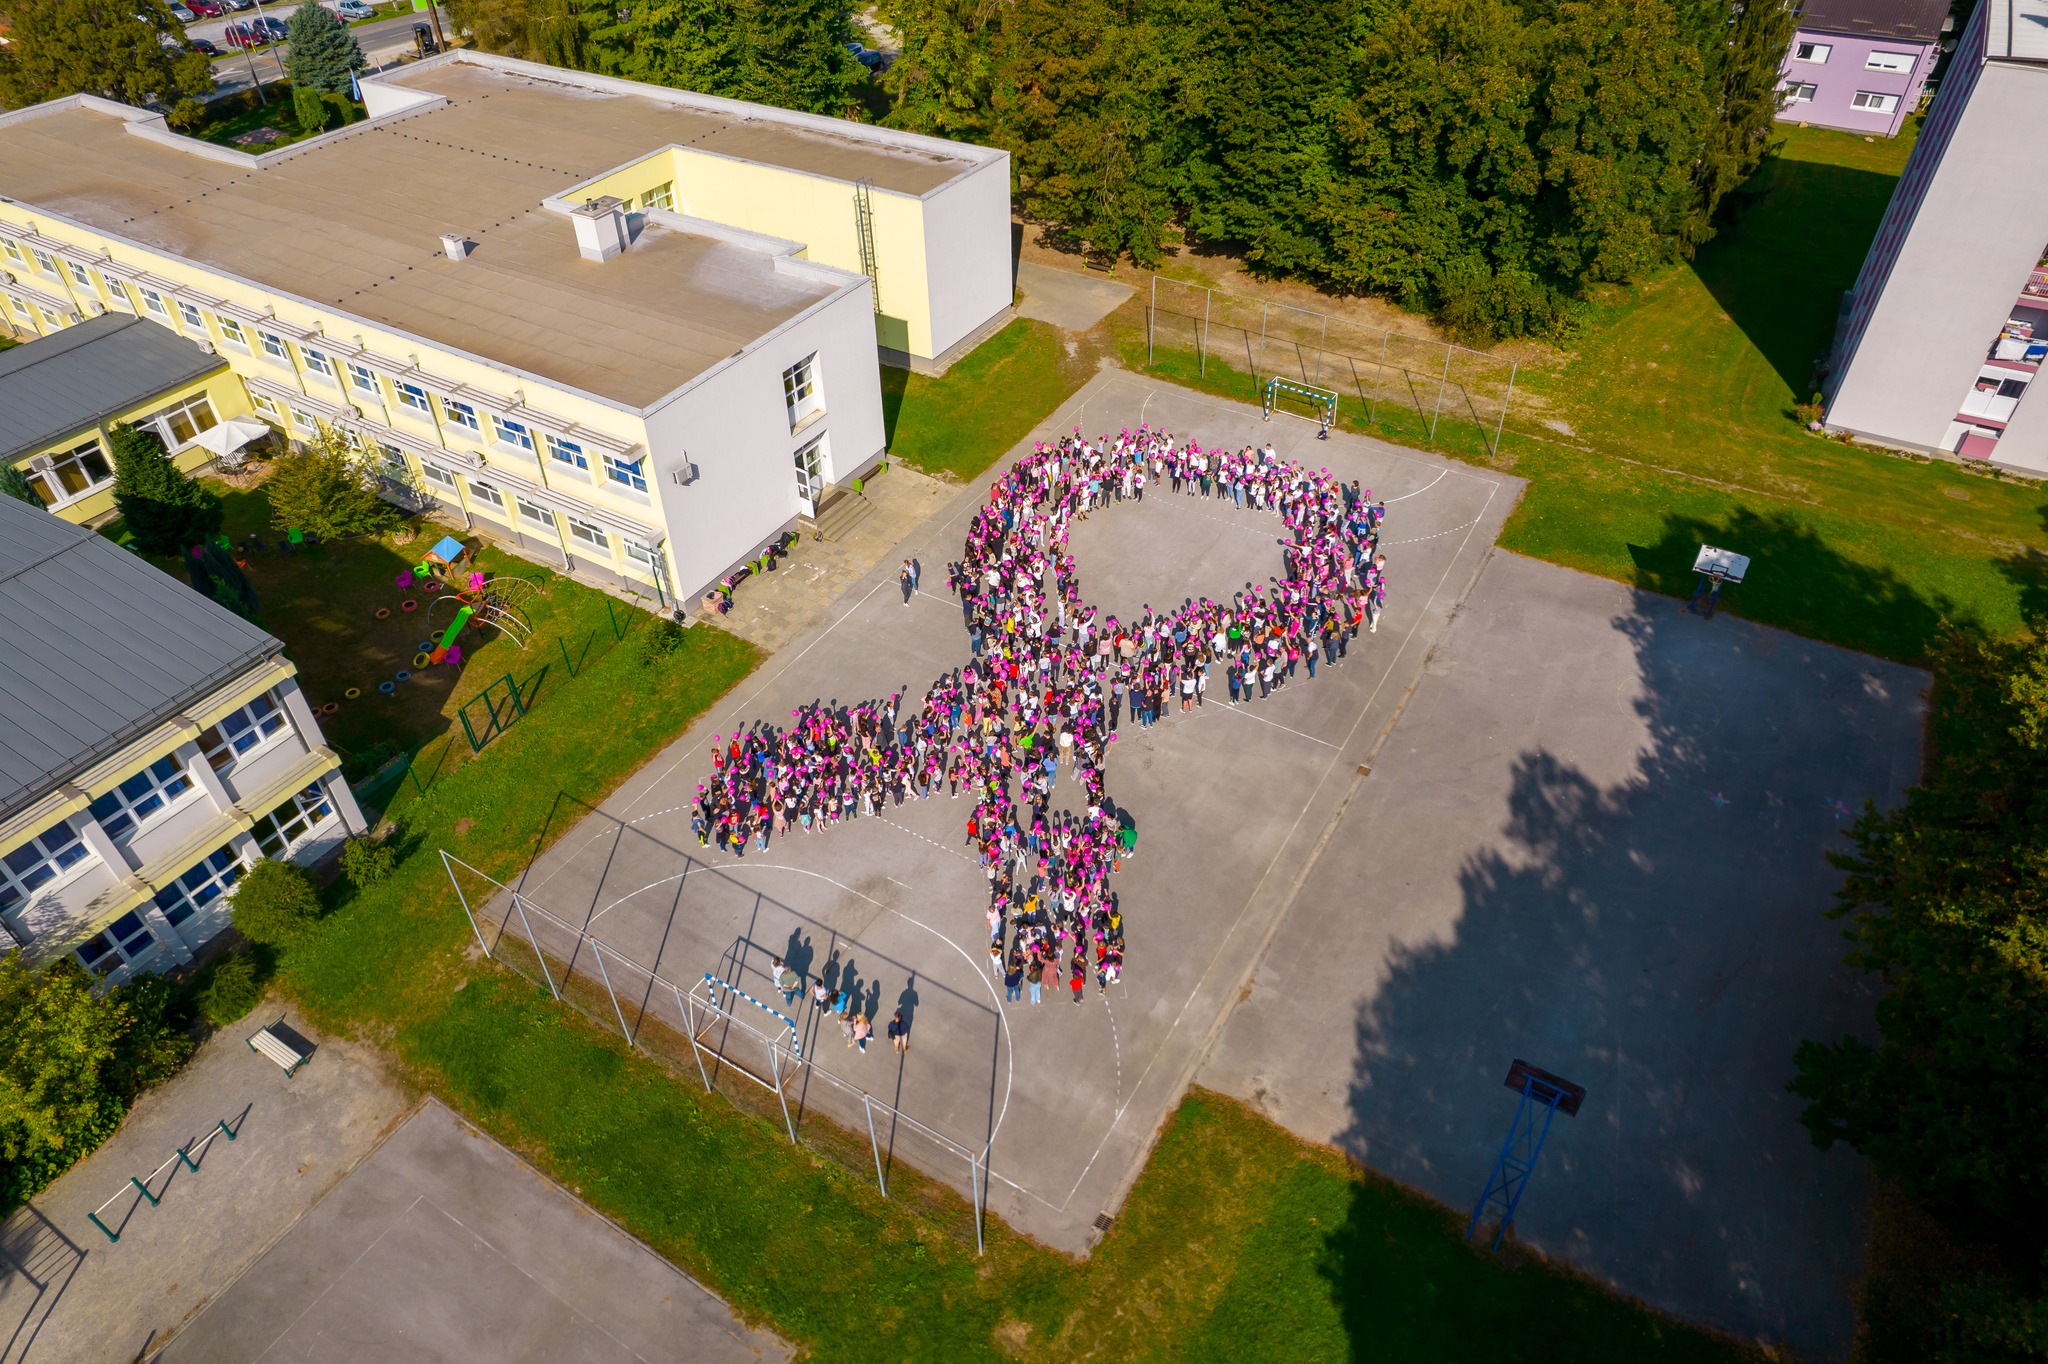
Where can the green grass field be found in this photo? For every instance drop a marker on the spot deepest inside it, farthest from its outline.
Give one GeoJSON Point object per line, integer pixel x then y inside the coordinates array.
{"type": "Point", "coordinates": [958, 425]}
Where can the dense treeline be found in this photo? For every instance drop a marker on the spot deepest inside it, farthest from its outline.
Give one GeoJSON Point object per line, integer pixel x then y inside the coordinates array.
{"type": "Point", "coordinates": [1485, 160]}
{"type": "Point", "coordinates": [1947, 901]}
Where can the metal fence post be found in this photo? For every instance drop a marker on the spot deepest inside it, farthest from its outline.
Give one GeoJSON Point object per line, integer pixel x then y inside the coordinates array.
{"type": "Point", "coordinates": [974, 1190]}
{"type": "Point", "coordinates": [606, 976]}
{"type": "Point", "coordinates": [465, 912]}
{"type": "Point", "coordinates": [1379, 377]}
{"type": "Point", "coordinates": [690, 1031]}
{"type": "Point", "coordinates": [1202, 341]}
{"type": "Point", "coordinates": [1151, 312]}
{"type": "Point", "coordinates": [873, 1144]}
{"type": "Point", "coordinates": [1322, 346]}
{"type": "Point", "coordinates": [1514, 366]}
{"type": "Point", "coordinates": [1441, 385]}
{"type": "Point", "coordinates": [538, 955]}
{"type": "Point", "coordinates": [776, 1071]}
{"type": "Point", "coordinates": [1259, 364]}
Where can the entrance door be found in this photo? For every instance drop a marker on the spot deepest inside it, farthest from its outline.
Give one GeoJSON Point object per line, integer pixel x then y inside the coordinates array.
{"type": "Point", "coordinates": [810, 477]}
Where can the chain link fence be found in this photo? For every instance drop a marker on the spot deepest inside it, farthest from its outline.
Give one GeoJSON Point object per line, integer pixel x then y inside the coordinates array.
{"type": "Point", "coordinates": [1408, 386]}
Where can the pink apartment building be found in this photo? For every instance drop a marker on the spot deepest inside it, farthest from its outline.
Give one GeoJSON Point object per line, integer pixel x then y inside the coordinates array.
{"type": "Point", "coordinates": [1860, 65]}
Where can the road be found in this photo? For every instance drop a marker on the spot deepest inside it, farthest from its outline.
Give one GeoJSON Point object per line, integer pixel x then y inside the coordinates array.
{"type": "Point", "coordinates": [380, 40]}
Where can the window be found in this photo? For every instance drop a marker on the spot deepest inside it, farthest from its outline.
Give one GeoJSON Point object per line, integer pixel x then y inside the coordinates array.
{"type": "Point", "coordinates": [800, 390]}
{"type": "Point", "coordinates": [263, 404]}
{"type": "Point", "coordinates": [44, 265]}
{"type": "Point", "coordinates": [73, 474]}
{"type": "Point", "coordinates": [626, 472]}
{"type": "Point", "coordinates": [642, 555]}
{"type": "Point", "coordinates": [361, 380]}
{"type": "Point", "coordinates": [485, 493]}
{"type": "Point", "coordinates": [462, 414]}
{"type": "Point", "coordinates": [1816, 53]}
{"type": "Point", "coordinates": [49, 318]}
{"type": "Point", "coordinates": [154, 301]}
{"type": "Point", "coordinates": [229, 737]}
{"type": "Point", "coordinates": [278, 832]}
{"type": "Point", "coordinates": [21, 309]}
{"type": "Point", "coordinates": [317, 363]}
{"type": "Point", "coordinates": [80, 274]}
{"type": "Point", "coordinates": [121, 942]}
{"type": "Point", "coordinates": [539, 515]}
{"type": "Point", "coordinates": [190, 314]}
{"type": "Point", "coordinates": [303, 423]}
{"type": "Point", "coordinates": [13, 251]}
{"type": "Point", "coordinates": [412, 396]}
{"type": "Point", "coordinates": [200, 887]}
{"type": "Point", "coordinates": [273, 346]}
{"type": "Point", "coordinates": [810, 471]}
{"type": "Point", "coordinates": [38, 862]}
{"type": "Point", "coordinates": [567, 452]}
{"type": "Point", "coordinates": [231, 332]}
{"type": "Point", "coordinates": [589, 534]}
{"type": "Point", "coordinates": [1801, 92]}
{"type": "Point", "coordinates": [1874, 102]}
{"type": "Point", "coordinates": [511, 433]}
{"type": "Point", "coordinates": [661, 196]}
{"type": "Point", "coordinates": [142, 797]}
{"type": "Point", "coordinates": [1889, 61]}
{"type": "Point", "coordinates": [180, 422]}
{"type": "Point", "coordinates": [436, 474]}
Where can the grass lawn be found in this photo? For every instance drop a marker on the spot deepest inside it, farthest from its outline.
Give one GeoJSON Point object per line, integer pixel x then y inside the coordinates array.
{"type": "Point", "coordinates": [230, 118]}
{"type": "Point", "coordinates": [1240, 1242]}
{"type": "Point", "coordinates": [958, 425]}
{"type": "Point", "coordinates": [1669, 424]}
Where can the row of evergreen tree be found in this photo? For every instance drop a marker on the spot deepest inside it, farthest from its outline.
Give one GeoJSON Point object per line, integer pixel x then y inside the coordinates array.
{"type": "Point", "coordinates": [1485, 160]}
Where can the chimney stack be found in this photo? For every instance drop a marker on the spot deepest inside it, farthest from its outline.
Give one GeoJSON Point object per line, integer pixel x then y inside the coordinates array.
{"type": "Point", "coordinates": [600, 227]}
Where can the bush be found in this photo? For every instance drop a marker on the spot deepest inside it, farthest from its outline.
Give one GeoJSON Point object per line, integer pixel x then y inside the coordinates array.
{"type": "Point", "coordinates": [323, 488]}
{"type": "Point", "coordinates": [229, 988]}
{"type": "Point", "coordinates": [368, 862]}
{"type": "Point", "coordinates": [310, 109]}
{"type": "Point", "coordinates": [663, 640]}
{"type": "Point", "coordinates": [166, 510]}
{"type": "Point", "coordinates": [277, 905]}
{"type": "Point", "coordinates": [14, 483]}
{"type": "Point", "coordinates": [186, 114]}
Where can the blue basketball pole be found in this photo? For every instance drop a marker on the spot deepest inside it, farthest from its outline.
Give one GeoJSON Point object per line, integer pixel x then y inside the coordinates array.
{"type": "Point", "coordinates": [1543, 1095]}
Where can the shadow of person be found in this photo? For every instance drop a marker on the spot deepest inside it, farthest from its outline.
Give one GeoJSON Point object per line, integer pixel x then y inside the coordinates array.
{"type": "Point", "coordinates": [798, 953]}
{"type": "Point", "coordinates": [908, 1000]}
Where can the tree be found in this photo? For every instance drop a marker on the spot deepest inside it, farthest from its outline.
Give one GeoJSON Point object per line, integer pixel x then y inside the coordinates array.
{"type": "Point", "coordinates": [111, 48]}
{"type": "Point", "coordinates": [323, 54]}
{"type": "Point", "coordinates": [14, 483]}
{"type": "Point", "coordinates": [324, 487]}
{"type": "Point", "coordinates": [166, 510]}
{"type": "Point", "coordinates": [217, 576]}
{"type": "Point", "coordinates": [309, 107]}
{"type": "Point", "coordinates": [276, 904]}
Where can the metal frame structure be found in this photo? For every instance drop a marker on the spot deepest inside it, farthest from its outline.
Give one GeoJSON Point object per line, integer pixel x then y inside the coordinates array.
{"type": "Point", "coordinates": [184, 1154]}
{"type": "Point", "coordinates": [1322, 397]}
{"type": "Point", "coordinates": [1544, 1096]}
{"type": "Point", "coordinates": [710, 1005]}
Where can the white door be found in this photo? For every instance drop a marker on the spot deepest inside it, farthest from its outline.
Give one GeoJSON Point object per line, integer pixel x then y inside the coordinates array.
{"type": "Point", "coordinates": [810, 477]}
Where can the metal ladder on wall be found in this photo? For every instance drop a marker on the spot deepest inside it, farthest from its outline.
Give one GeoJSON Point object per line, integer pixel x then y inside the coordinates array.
{"type": "Point", "coordinates": [864, 233]}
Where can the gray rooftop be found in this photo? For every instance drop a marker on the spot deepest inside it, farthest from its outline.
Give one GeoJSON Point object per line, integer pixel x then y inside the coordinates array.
{"type": "Point", "coordinates": [99, 647]}
{"type": "Point", "coordinates": [68, 382]}
{"type": "Point", "coordinates": [1906, 21]}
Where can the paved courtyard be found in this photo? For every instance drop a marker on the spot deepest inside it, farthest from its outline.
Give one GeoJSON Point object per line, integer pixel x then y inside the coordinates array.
{"type": "Point", "coordinates": [1596, 842]}
{"type": "Point", "coordinates": [1231, 804]}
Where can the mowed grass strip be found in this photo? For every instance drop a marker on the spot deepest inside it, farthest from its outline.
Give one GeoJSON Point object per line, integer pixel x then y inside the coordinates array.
{"type": "Point", "coordinates": [957, 425]}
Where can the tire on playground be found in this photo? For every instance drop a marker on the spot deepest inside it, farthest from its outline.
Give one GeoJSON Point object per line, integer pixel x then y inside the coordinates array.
{"type": "Point", "coordinates": [383, 613]}
{"type": "Point", "coordinates": [403, 676]}
{"type": "Point", "coordinates": [330, 708]}
{"type": "Point", "coordinates": [353, 692]}
{"type": "Point", "coordinates": [387, 686]}
{"type": "Point", "coordinates": [431, 586]}
{"type": "Point", "coordinates": [426, 647]}
{"type": "Point", "coordinates": [421, 659]}
{"type": "Point", "coordinates": [409, 605]}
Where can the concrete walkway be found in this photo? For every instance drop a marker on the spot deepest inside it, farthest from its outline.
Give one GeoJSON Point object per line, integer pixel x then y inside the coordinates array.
{"type": "Point", "coordinates": [1068, 299]}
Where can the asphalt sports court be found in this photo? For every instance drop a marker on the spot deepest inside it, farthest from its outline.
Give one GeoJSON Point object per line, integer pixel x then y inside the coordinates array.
{"type": "Point", "coordinates": [1231, 804]}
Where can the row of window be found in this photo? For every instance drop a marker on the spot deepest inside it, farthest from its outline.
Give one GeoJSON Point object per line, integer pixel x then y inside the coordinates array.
{"type": "Point", "coordinates": [1870, 101]}
{"type": "Point", "coordinates": [87, 468]}
{"type": "Point", "coordinates": [1817, 54]}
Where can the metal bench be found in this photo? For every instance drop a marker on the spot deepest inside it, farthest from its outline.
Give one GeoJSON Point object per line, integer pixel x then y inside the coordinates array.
{"type": "Point", "coordinates": [282, 1045]}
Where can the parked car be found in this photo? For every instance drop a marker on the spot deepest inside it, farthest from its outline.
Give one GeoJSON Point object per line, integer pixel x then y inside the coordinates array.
{"type": "Point", "coordinates": [239, 4]}
{"type": "Point", "coordinates": [206, 9]}
{"type": "Point", "coordinates": [351, 9]}
{"type": "Point", "coordinates": [865, 56]}
{"type": "Point", "coordinates": [245, 33]}
{"type": "Point", "coordinates": [274, 27]}
{"type": "Point", "coordinates": [183, 15]}
{"type": "Point", "coordinates": [201, 45]}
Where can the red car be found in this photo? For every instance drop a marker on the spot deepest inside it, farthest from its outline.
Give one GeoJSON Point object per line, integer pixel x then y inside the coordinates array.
{"type": "Point", "coordinates": [206, 9]}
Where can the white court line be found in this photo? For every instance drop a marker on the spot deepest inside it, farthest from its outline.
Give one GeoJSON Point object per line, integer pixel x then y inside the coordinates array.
{"type": "Point", "coordinates": [1419, 491]}
{"type": "Point", "coordinates": [1232, 708]}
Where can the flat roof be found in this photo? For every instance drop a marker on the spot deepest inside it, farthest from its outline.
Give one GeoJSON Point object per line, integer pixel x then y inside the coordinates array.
{"type": "Point", "coordinates": [73, 379]}
{"type": "Point", "coordinates": [2018, 30]}
{"type": "Point", "coordinates": [101, 648]}
{"type": "Point", "coordinates": [355, 223]}
{"type": "Point", "coordinates": [1906, 21]}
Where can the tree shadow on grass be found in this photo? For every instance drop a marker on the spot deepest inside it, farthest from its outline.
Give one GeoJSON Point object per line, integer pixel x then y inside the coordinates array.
{"type": "Point", "coordinates": [2027, 571]}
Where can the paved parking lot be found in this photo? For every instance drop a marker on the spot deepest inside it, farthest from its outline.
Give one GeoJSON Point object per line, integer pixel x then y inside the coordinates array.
{"type": "Point", "coordinates": [1230, 804]}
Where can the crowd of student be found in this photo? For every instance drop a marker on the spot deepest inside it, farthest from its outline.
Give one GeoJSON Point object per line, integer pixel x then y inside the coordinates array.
{"type": "Point", "coordinates": [1047, 684]}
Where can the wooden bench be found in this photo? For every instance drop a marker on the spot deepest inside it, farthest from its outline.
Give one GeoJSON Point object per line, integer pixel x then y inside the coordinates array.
{"type": "Point", "coordinates": [280, 1044]}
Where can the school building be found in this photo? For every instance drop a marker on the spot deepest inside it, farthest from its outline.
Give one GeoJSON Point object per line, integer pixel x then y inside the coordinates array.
{"type": "Point", "coordinates": [630, 330]}
{"type": "Point", "coordinates": [153, 747]}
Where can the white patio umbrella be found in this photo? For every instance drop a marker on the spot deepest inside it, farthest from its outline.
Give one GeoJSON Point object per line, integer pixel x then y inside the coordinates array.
{"type": "Point", "coordinates": [226, 439]}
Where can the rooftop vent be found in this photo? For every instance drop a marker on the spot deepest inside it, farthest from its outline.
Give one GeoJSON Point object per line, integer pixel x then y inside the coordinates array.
{"type": "Point", "coordinates": [600, 227]}
{"type": "Point", "coordinates": [455, 244]}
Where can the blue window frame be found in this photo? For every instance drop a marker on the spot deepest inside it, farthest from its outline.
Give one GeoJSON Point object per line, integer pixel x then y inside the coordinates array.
{"type": "Point", "coordinates": [38, 862]}
{"type": "Point", "coordinates": [567, 452]}
{"type": "Point", "coordinates": [200, 886]}
{"type": "Point", "coordinates": [237, 733]}
{"type": "Point", "coordinates": [626, 471]}
{"type": "Point", "coordinates": [142, 797]}
{"type": "Point", "coordinates": [119, 943]}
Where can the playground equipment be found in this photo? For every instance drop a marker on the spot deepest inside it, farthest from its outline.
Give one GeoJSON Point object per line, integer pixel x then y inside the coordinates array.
{"type": "Point", "coordinates": [446, 650]}
{"type": "Point", "coordinates": [496, 602]}
{"type": "Point", "coordinates": [1544, 1096]}
{"type": "Point", "coordinates": [188, 1155]}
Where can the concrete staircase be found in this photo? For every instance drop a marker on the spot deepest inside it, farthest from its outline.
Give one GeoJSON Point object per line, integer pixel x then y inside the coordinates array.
{"type": "Point", "coordinates": [841, 511]}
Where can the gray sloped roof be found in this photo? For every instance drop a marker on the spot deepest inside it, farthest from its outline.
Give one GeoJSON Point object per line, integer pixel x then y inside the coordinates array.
{"type": "Point", "coordinates": [96, 647]}
{"type": "Point", "coordinates": [1908, 21]}
{"type": "Point", "coordinates": [97, 369]}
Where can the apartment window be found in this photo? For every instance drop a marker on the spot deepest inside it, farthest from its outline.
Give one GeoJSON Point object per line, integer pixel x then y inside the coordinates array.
{"type": "Point", "coordinates": [511, 433]}
{"type": "Point", "coordinates": [193, 321]}
{"type": "Point", "coordinates": [142, 797]}
{"type": "Point", "coordinates": [589, 534]}
{"type": "Point", "coordinates": [567, 452]}
{"type": "Point", "coordinates": [303, 423]}
{"type": "Point", "coordinates": [1889, 61]}
{"type": "Point", "coordinates": [79, 274]}
{"type": "Point", "coordinates": [73, 474]}
{"type": "Point", "coordinates": [154, 301]}
{"type": "Point", "coordinates": [273, 346]}
{"type": "Point", "coordinates": [278, 832]}
{"type": "Point", "coordinates": [180, 422]}
{"type": "Point", "coordinates": [244, 731]}
{"type": "Point", "coordinates": [44, 265]}
{"type": "Point", "coordinates": [434, 473]}
{"type": "Point", "coordinates": [641, 554]}
{"type": "Point", "coordinates": [1801, 92]}
{"type": "Point", "coordinates": [121, 942]}
{"type": "Point", "coordinates": [49, 318]}
{"type": "Point", "coordinates": [628, 473]}
{"type": "Point", "coordinates": [462, 414]}
{"type": "Point", "coordinates": [263, 404]}
{"type": "Point", "coordinates": [661, 196]}
{"type": "Point", "coordinates": [13, 251]}
{"type": "Point", "coordinates": [317, 363]}
{"type": "Point", "coordinates": [360, 379]}
{"type": "Point", "coordinates": [1875, 102]}
{"type": "Point", "coordinates": [231, 332]}
{"type": "Point", "coordinates": [800, 389]}
{"type": "Point", "coordinates": [38, 862]}
{"type": "Point", "coordinates": [412, 396]}
{"type": "Point", "coordinates": [1816, 53]}
{"type": "Point", "coordinates": [394, 462]}
{"type": "Point", "coordinates": [21, 309]}
{"type": "Point", "coordinates": [538, 515]}
{"type": "Point", "coordinates": [485, 493]}
{"type": "Point", "coordinates": [200, 886]}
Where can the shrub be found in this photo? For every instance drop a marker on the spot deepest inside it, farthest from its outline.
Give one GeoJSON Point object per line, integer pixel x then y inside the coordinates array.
{"type": "Point", "coordinates": [186, 114]}
{"type": "Point", "coordinates": [368, 862]}
{"type": "Point", "coordinates": [14, 483]}
{"type": "Point", "coordinates": [663, 639]}
{"type": "Point", "coordinates": [277, 905]}
{"type": "Point", "coordinates": [230, 988]}
{"type": "Point", "coordinates": [323, 488]}
{"type": "Point", "coordinates": [309, 108]}
{"type": "Point", "coordinates": [165, 508]}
